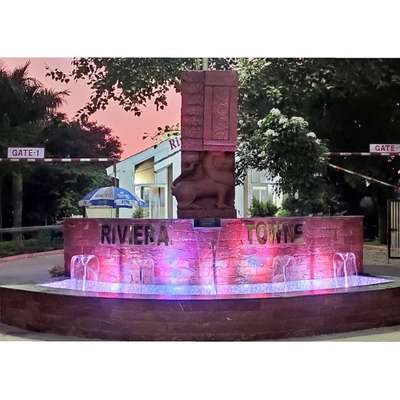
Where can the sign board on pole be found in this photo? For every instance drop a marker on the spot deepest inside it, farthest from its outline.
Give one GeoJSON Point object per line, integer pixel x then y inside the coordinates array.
{"type": "Point", "coordinates": [384, 148]}
{"type": "Point", "coordinates": [25, 152]}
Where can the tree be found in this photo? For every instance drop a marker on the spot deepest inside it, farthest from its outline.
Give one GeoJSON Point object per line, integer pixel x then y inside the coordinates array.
{"type": "Point", "coordinates": [291, 155]}
{"type": "Point", "coordinates": [131, 82]}
{"type": "Point", "coordinates": [138, 81]}
{"type": "Point", "coordinates": [25, 105]}
{"type": "Point", "coordinates": [66, 138]}
{"type": "Point", "coordinates": [56, 189]}
{"type": "Point", "coordinates": [348, 103]}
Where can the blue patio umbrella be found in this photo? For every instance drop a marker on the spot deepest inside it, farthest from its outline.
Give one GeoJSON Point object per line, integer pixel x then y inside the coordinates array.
{"type": "Point", "coordinates": [111, 196]}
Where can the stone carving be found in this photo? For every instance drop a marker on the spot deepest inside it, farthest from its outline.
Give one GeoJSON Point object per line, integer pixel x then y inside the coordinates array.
{"type": "Point", "coordinates": [220, 114]}
{"type": "Point", "coordinates": [206, 176]}
{"type": "Point", "coordinates": [205, 188]}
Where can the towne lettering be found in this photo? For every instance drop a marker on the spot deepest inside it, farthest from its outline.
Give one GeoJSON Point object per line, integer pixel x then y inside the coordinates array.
{"type": "Point", "coordinates": [274, 232]}
{"type": "Point", "coordinates": [133, 234]}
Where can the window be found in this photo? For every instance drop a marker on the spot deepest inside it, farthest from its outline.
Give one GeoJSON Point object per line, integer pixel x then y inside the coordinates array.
{"type": "Point", "coordinates": [257, 176]}
{"type": "Point", "coordinates": [155, 196]}
{"type": "Point", "coordinates": [261, 193]}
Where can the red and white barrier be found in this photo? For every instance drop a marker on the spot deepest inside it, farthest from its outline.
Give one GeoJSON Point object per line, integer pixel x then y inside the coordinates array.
{"type": "Point", "coordinates": [362, 153]}
{"type": "Point", "coordinates": [369, 178]}
{"type": "Point", "coordinates": [51, 160]}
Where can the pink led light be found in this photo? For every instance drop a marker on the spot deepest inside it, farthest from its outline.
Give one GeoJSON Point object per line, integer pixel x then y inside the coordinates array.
{"type": "Point", "coordinates": [198, 256]}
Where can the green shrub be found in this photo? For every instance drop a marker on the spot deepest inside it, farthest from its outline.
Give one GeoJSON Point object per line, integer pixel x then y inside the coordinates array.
{"type": "Point", "coordinates": [262, 209]}
{"type": "Point", "coordinates": [44, 237]}
{"type": "Point", "coordinates": [138, 213]}
{"type": "Point", "coordinates": [282, 212]}
{"type": "Point", "coordinates": [13, 247]}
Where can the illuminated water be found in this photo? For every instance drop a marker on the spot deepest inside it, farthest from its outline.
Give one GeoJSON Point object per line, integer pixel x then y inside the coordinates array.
{"type": "Point", "coordinates": [82, 261]}
{"type": "Point", "coordinates": [344, 263]}
{"type": "Point", "coordinates": [260, 288]}
{"type": "Point", "coordinates": [280, 268]}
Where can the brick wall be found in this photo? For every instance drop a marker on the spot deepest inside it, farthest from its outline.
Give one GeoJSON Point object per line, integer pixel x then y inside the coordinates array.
{"type": "Point", "coordinates": [242, 250]}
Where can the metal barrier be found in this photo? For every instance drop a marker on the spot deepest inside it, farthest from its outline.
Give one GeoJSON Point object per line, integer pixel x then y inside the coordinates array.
{"type": "Point", "coordinates": [23, 229]}
{"type": "Point", "coordinates": [393, 226]}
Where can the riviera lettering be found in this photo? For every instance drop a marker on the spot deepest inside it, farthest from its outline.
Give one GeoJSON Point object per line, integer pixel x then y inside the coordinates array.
{"type": "Point", "coordinates": [274, 232]}
{"type": "Point", "coordinates": [135, 234]}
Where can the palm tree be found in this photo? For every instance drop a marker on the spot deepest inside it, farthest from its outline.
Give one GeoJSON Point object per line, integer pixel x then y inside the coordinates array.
{"type": "Point", "coordinates": [25, 109]}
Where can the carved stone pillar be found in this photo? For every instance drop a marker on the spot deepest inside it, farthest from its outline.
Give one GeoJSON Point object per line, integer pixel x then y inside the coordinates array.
{"type": "Point", "coordinates": [206, 186]}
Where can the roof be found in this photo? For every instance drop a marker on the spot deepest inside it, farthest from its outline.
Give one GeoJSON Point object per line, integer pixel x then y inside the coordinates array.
{"type": "Point", "coordinates": [140, 156]}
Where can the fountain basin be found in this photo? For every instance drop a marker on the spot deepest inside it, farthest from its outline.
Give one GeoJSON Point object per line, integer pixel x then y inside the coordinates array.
{"type": "Point", "coordinates": [172, 291]}
{"type": "Point", "coordinates": [119, 316]}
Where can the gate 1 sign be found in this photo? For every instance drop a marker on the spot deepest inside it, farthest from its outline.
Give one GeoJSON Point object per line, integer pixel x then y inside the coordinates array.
{"type": "Point", "coordinates": [25, 152]}
{"type": "Point", "coordinates": [384, 148]}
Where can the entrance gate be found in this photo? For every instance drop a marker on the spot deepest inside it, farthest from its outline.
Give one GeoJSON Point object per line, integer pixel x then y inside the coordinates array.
{"type": "Point", "coordinates": [393, 226]}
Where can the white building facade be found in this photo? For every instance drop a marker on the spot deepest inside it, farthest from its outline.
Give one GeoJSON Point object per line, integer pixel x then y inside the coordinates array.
{"type": "Point", "coordinates": [149, 175]}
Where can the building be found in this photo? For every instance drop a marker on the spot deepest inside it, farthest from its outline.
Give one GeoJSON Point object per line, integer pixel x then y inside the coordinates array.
{"type": "Point", "coordinates": [150, 172]}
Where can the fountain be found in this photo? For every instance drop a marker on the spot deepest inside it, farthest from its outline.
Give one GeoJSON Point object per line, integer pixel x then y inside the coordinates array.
{"type": "Point", "coordinates": [344, 264]}
{"type": "Point", "coordinates": [280, 268]}
{"type": "Point", "coordinates": [80, 270]}
{"type": "Point", "coordinates": [207, 275]}
{"type": "Point", "coordinates": [207, 246]}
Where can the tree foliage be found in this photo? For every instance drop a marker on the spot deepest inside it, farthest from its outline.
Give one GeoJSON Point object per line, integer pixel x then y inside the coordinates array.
{"type": "Point", "coordinates": [130, 82]}
{"type": "Point", "coordinates": [57, 188]}
{"type": "Point", "coordinates": [27, 118]}
{"type": "Point", "coordinates": [52, 192]}
{"type": "Point", "coordinates": [262, 208]}
{"type": "Point", "coordinates": [287, 150]}
{"type": "Point", "coordinates": [25, 106]}
{"type": "Point", "coordinates": [64, 138]}
{"type": "Point", "coordinates": [348, 103]}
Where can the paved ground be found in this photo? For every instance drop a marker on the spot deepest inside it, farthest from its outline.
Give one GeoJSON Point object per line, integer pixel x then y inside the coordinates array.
{"type": "Point", "coordinates": [34, 270]}
{"type": "Point", "coordinates": [11, 333]}
{"type": "Point", "coordinates": [377, 255]}
{"type": "Point", "coordinates": [387, 334]}
{"type": "Point", "coordinates": [29, 270]}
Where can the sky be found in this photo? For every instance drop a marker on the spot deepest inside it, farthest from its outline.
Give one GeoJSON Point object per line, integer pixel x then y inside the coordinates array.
{"type": "Point", "coordinates": [124, 124]}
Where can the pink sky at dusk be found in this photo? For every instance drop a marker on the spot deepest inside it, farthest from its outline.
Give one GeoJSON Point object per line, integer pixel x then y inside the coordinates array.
{"type": "Point", "coordinates": [124, 124]}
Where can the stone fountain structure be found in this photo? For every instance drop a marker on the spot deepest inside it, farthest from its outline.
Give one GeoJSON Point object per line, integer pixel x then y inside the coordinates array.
{"type": "Point", "coordinates": [207, 275]}
{"type": "Point", "coordinates": [206, 186]}
{"type": "Point", "coordinates": [207, 244]}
